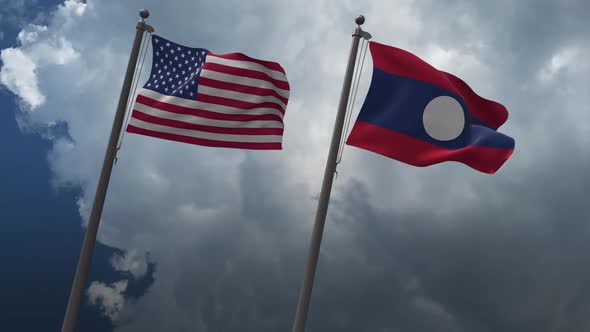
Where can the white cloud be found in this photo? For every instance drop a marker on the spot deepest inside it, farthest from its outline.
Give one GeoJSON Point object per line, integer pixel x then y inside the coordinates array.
{"type": "Point", "coordinates": [560, 60]}
{"type": "Point", "coordinates": [77, 7]}
{"type": "Point", "coordinates": [109, 299]}
{"type": "Point", "coordinates": [132, 262]}
{"type": "Point", "coordinates": [38, 50]}
{"type": "Point", "coordinates": [18, 75]}
{"type": "Point", "coordinates": [30, 34]}
{"type": "Point", "coordinates": [434, 309]}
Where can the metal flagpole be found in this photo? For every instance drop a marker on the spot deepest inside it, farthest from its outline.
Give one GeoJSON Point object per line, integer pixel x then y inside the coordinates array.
{"type": "Point", "coordinates": [81, 276]}
{"type": "Point", "coordinates": [320, 218]}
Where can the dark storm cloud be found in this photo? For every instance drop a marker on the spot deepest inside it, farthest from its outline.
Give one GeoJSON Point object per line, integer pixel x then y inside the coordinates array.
{"type": "Point", "coordinates": [523, 30]}
{"type": "Point", "coordinates": [516, 266]}
{"type": "Point", "coordinates": [439, 249]}
{"type": "Point", "coordinates": [519, 38]}
{"type": "Point", "coordinates": [511, 260]}
{"type": "Point", "coordinates": [515, 260]}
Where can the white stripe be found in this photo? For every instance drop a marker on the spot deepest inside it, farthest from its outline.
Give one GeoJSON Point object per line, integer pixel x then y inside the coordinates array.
{"type": "Point", "coordinates": [243, 81]}
{"type": "Point", "coordinates": [204, 121]}
{"type": "Point", "coordinates": [244, 64]}
{"type": "Point", "coordinates": [206, 135]}
{"type": "Point", "coordinates": [240, 96]}
{"type": "Point", "coordinates": [206, 106]}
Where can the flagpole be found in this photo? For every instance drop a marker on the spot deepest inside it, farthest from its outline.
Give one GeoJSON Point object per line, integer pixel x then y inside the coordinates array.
{"type": "Point", "coordinates": [83, 268]}
{"type": "Point", "coordinates": [322, 210]}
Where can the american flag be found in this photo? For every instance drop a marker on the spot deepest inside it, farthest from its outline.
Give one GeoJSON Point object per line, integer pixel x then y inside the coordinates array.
{"type": "Point", "coordinates": [219, 100]}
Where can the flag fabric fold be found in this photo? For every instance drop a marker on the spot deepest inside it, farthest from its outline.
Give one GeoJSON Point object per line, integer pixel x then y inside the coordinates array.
{"type": "Point", "coordinates": [422, 116]}
{"type": "Point", "coordinates": [218, 100]}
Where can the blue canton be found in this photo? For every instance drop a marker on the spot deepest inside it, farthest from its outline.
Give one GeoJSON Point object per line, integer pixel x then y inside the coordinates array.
{"type": "Point", "coordinates": [175, 68]}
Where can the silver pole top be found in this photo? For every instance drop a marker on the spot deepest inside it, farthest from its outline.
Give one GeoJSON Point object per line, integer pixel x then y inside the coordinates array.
{"type": "Point", "coordinates": [144, 13]}
{"type": "Point", "coordinates": [360, 20]}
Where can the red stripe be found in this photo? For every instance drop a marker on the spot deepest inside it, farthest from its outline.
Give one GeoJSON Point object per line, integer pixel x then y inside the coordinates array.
{"type": "Point", "coordinates": [191, 126]}
{"type": "Point", "coordinates": [403, 63]}
{"type": "Point", "coordinates": [204, 113]}
{"type": "Point", "coordinates": [245, 73]}
{"type": "Point", "coordinates": [241, 88]}
{"type": "Point", "coordinates": [242, 57]}
{"type": "Point", "coordinates": [237, 103]}
{"type": "Point", "coordinates": [416, 152]}
{"type": "Point", "coordinates": [488, 111]}
{"type": "Point", "coordinates": [204, 142]}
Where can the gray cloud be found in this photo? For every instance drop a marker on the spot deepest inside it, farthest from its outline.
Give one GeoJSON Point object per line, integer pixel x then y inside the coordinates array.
{"type": "Point", "coordinates": [405, 249]}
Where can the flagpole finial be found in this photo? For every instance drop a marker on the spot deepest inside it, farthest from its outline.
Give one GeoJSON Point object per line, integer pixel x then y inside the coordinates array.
{"type": "Point", "coordinates": [360, 20]}
{"type": "Point", "coordinates": [144, 13]}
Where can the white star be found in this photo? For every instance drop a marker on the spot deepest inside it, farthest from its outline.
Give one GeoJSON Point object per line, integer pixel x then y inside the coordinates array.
{"type": "Point", "coordinates": [180, 91]}
{"type": "Point", "coordinates": [171, 51]}
{"type": "Point", "coordinates": [156, 40]}
{"type": "Point", "coordinates": [170, 79]}
{"type": "Point", "coordinates": [179, 48]}
{"type": "Point", "coordinates": [175, 58]}
{"type": "Point", "coordinates": [157, 86]}
{"type": "Point", "coordinates": [156, 65]}
{"type": "Point", "coordinates": [166, 55]}
{"type": "Point", "coordinates": [161, 76]}
{"type": "Point", "coordinates": [165, 66]}
{"type": "Point", "coordinates": [166, 89]}
{"type": "Point", "coordinates": [191, 94]}
{"type": "Point", "coordinates": [149, 84]}
{"type": "Point", "coordinates": [157, 53]}
{"type": "Point", "coordinates": [185, 62]}
{"type": "Point", "coordinates": [183, 72]}
{"type": "Point", "coordinates": [174, 86]}
{"type": "Point", "coordinates": [170, 62]}
{"type": "Point", "coordinates": [162, 60]}
{"type": "Point", "coordinates": [179, 82]}
{"type": "Point", "coordinates": [174, 69]}
{"type": "Point", "coordinates": [167, 44]}
{"type": "Point", "coordinates": [193, 59]}
{"type": "Point", "coordinates": [160, 71]}
{"type": "Point", "coordinates": [161, 48]}
{"type": "Point", "coordinates": [168, 73]}
{"type": "Point", "coordinates": [182, 55]}
{"type": "Point", "coordinates": [179, 65]}
{"type": "Point", "coordinates": [154, 76]}
{"type": "Point", "coordinates": [193, 82]}
{"type": "Point", "coordinates": [177, 76]}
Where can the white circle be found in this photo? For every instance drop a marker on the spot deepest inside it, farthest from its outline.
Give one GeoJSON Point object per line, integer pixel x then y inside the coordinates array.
{"type": "Point", "coordinates": [443, 118]}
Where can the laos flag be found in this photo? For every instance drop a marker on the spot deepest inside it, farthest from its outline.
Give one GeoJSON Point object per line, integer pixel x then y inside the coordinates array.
{"type": "Point", "coordinates": [422, 116]}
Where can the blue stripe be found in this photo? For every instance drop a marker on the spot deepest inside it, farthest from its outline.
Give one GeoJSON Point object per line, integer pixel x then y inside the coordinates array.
{"type": "Point", "coordinates": [397, 103]}
{"type": "Point", "coordinates": [484, 136]}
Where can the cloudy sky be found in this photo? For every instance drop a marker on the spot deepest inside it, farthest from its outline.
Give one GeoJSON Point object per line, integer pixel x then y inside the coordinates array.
{"type": "Point", "coordinates": [201, 239]}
